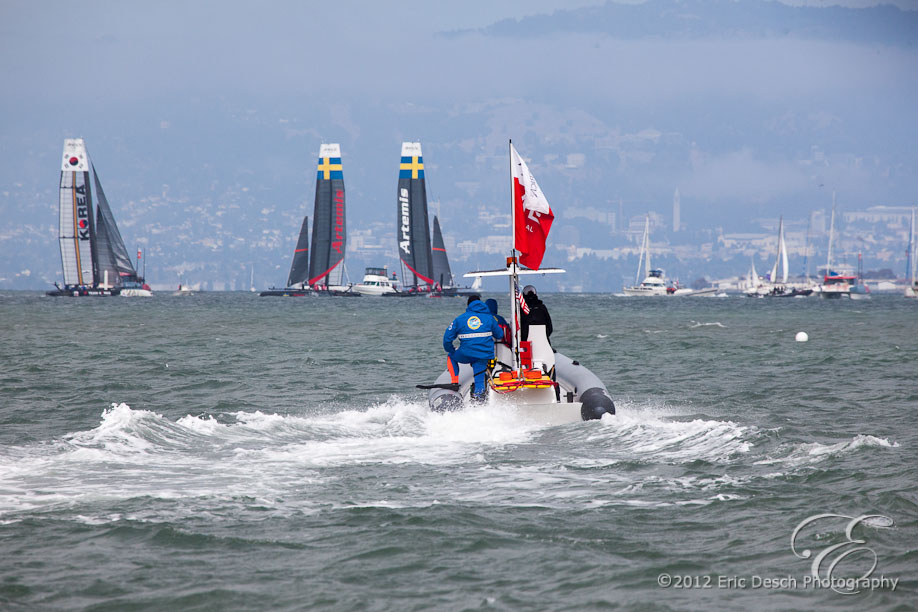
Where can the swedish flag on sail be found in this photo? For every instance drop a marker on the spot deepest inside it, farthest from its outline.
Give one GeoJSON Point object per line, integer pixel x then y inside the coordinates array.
{"type": "Point", "coordinates": [412, 167]}
{"type": "Point", "coordinates": [330, 168]}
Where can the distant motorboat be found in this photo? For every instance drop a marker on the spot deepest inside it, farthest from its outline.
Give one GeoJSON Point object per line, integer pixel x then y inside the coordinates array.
{"type": "Point", "coordinates": [838, 281]}
{"type": "Point", "coordinates": [654, 283]}
{"type": "Point", "coordinates": [376, 282]}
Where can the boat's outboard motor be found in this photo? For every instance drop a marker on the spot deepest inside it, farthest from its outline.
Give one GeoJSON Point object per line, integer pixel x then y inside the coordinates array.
{"type": "Point", "coordinates": [595, 404]}
{"type": "Point", "coordinates": [446, 401]}
{"type": "Point", "coordinates": [443, 399]}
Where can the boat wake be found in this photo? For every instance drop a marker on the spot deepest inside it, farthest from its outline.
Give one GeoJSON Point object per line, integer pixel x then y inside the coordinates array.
{"type": "Point", "coordinates": [138, 453]}
{"type": "Point", "coordinates": [140, 465]}
{"type": "Point", "coordinates": [655, 435]}
{"type": "Point", "coordinates": [810, 453]}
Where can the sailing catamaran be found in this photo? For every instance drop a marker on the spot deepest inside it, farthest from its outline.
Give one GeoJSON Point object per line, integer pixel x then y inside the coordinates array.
{"type": "Point", "coordinates": [528, 375]}
{"type": "Point", "coordinates": [321, 272]}
{"type": "Point", "coordinates": [412, 228]}
{"type": "Point", "coordinates": [424, 266]}
{"type": "Point", "coordinates": [93, 256]}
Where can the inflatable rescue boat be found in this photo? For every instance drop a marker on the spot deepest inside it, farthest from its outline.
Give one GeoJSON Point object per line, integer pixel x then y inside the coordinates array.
{"type": "Point", "coordinates": [528, 376]}
{"type": "Point", "coordinates": [548, 387]}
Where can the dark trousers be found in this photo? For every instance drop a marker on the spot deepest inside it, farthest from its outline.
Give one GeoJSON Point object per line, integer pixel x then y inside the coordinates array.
{"type": "Point", "coordinates": [479, 366]}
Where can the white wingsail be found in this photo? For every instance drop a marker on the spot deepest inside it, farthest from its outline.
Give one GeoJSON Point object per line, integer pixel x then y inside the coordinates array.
{"type": "Point", "coordinates": [76, 212]}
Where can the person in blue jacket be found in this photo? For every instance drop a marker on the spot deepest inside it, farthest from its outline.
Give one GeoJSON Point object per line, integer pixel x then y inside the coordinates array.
{"type": "Point", "coordinates": [491, 303]}
{"type": "Point", "coordinates": [476, 330]}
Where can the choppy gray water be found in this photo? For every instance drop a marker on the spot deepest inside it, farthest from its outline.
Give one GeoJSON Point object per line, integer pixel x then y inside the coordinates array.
{"type": "Point", "coordinates": [231, 452]}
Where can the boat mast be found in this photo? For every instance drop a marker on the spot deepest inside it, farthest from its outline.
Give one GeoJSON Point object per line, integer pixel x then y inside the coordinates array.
{"type": "Point", "coordinates": [641, 255]}
{"type": "Point", "coordinates": [647, 265]}
{"type": "Point", "coordinates": [774, 269]}
{"type": "Point", "coordinates": [909, 263]}
{"type": "Point", "coordinates": [514, 277]}
{"type": "Point", "coordinates": [784, 273]}
{"type": "Point", "coordinates": [806, 251]}
{"type": "Point", "coordinates": [831, 232]}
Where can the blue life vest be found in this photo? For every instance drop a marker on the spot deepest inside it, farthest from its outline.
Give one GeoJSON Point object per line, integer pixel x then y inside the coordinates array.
{"type": "Point", "coordinates": [476, 329]}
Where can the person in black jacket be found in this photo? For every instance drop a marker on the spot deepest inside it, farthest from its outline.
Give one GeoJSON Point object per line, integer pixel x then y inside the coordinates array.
{"type": "Point", "coordinates": [538, 313]}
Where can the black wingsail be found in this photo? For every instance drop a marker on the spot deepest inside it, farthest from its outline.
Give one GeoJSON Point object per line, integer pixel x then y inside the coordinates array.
{"type": "Point", "coordinates": [326, 264]}
{"type": "Point", "coordinates": [441, 272]}
{"type": "Point", "coordinates": [413, 234]}
{"type": "Point", "coordinates": [112, 254]}
{"type": "Point", "coordinates": [299, 267]}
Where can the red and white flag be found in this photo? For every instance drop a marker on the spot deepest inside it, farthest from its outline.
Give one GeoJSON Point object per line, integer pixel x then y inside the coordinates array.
{"type": "Point", "coordinates": [523, 305]}
{"type": "Point", "coordinates": [533, 214]}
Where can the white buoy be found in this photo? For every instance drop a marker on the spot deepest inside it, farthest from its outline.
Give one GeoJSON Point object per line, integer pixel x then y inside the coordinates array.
{"type": "Point", "coordinates": [801, 337]}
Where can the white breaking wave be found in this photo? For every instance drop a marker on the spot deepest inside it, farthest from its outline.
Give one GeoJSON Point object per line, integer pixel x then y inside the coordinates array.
{"type": "Point", "coordinates": [652, 435]}
{"type": "Point", "coordinates": [714, 324]}
{"type": "Point", "coordinates": [282, 464]}
{"type": "Point", "coordinates": [137, 453]}
{"type": "Point", "coordinates": [814, 452]}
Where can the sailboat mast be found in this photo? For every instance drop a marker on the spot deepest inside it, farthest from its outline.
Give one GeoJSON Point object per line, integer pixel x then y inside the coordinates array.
{"type": "Point", "coordinates": [831, 232]}
{"type": "Point", "coordinates": [783, 255]}
{"type": "Point", "coordinates": [774, 269]}
{"type": "Point", "coordinates": [909, 263]}
{"type": "Point", "coordinates": [806, 251]}
{"type": "Point", "coordinates": [637, 273]}
{"type": "Point", "coordinates": [647, 264]}
{"type": "Point", "coordinates": [644, 257]}
{"type": "Point", "coordinates": [914, 250]}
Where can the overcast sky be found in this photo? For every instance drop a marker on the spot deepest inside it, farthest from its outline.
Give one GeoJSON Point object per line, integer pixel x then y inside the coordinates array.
{"type": "Point", "coordinates": [72, 63]}
{"type": "Point", "coordinates": [134, 50]}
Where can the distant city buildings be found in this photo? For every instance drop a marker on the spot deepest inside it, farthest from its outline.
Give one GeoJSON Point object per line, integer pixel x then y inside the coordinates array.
{"type": "Point", "coordinates": [893, 217]}
{"type": "Point", "coordinates": [818, 223]}
{"type": "Point", "coordinates": [590, 213]}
